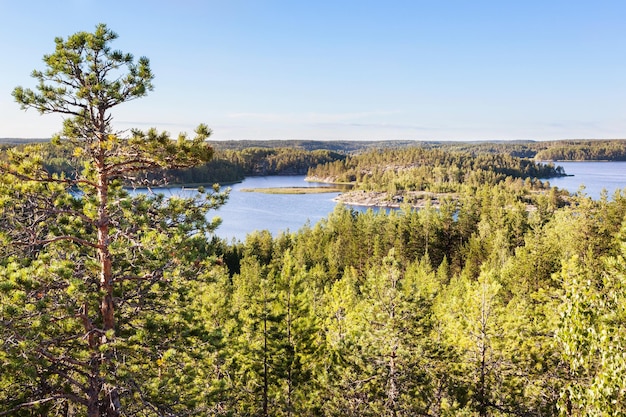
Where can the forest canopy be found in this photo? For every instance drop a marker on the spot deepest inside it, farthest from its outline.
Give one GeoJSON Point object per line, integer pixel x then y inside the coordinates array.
{"type": "Point", "coordinates": [480, 306]}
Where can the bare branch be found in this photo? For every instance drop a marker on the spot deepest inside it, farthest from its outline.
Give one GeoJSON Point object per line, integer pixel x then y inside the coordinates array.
{"type": "Point", "coordinates": [64, 238]}
{"type": "Point", "coordinates": [43, 401]}
{"type": "Point", "coordinates": [147, 277]}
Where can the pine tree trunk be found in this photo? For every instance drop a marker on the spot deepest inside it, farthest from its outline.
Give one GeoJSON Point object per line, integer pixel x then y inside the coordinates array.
{"type": "Point", "coordinates": [392, 388]}
{"type": "Point", "coordinates": [104, 256]}
{"type": "Point", "coordinates": [110, 405]}
{"type": "Point", "coordinates": [291, 347]}
{"type": "Point", "coordinates": [93, 408]}
{"type": "Point", "coordinates": [482, 389]}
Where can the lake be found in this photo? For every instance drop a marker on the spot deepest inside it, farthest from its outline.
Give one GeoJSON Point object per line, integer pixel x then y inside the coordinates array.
{"type": "Point", "coordinates": [245, 211]}
{"type": "Point", "coordinates": [595, 176]}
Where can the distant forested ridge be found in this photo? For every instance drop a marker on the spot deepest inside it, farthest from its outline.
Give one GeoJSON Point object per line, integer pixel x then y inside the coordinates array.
{"type": "Point", "coordinates": [604, 150]}
{"type": "Point", "coordinates": [21, 141]}
{"type": "Point", "coordinates": [590, 149]}
{"type": "Point", "coordinates": [235, 160]}
{"type": "Point", "coordinates": [235, 165]}
{"type": "Point", "coordinates": [341, 146]}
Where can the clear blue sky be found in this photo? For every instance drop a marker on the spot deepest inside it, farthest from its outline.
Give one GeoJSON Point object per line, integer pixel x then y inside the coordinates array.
{"type": "Point", "coordinates": [345, 69]}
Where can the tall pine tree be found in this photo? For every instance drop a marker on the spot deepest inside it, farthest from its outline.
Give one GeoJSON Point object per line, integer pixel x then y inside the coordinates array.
{"type": "Point", "coordinates": [93, 278]}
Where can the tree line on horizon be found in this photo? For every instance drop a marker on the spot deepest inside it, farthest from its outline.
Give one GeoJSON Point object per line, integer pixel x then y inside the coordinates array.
{"type": "Point", "coordinates": [235, 160]}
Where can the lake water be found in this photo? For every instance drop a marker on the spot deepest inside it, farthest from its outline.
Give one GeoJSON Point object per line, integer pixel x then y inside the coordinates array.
{"type": "Point", "coordinates": [245, 211]}
{"type": "Point", "coordinates": [594, 176]}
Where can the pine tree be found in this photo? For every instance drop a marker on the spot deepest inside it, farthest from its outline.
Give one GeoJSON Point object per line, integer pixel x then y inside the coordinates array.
{"type": "Point", "coordinates": [300, 330]}
{"type": "Point", "coordinates": [382, 343]}
{"type": "Point", "coordinates": [255, 343]}
{"type": "Point", "coordinates": [102, 273]}
{"type": "Point", "coordinates": [471, 314]}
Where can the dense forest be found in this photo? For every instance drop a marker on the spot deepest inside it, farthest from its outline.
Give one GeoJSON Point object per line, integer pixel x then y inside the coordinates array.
{"type": "Point", "coordinates": [480, 307]}
{"type": "Point", "coordinates": [584, 151]}
{"type": "Point", "coordinates": [427, 169]}
{"type": "Point", "coordinates": [235, 160]}
{"type": "Point", "coordinates": [507, 298]}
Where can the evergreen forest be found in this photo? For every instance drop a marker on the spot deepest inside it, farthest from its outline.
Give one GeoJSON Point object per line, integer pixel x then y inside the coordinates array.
{"type": "Point", "coordinates": [501, 297]}
{"type": "Point", "coordinates": [232, 161]}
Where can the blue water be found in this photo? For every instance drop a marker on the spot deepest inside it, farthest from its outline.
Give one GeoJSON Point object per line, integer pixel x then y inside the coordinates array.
{"type": "Point", "coordinates": [245, 211]}
{"type": "Point", "coordinates": [594, 176]}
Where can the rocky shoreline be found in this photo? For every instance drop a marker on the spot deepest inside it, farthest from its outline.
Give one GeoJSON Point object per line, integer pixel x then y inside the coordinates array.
{"type": "Point", "coordinates": [381, 199]}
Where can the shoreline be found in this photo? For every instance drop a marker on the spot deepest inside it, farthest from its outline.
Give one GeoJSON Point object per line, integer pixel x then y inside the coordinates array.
{"type": "Point", "coordinates": [381, 199]}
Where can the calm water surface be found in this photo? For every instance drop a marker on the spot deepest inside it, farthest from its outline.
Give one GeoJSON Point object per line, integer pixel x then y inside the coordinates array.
{"type": "Point", "coordinates": [594, 176]}
{"type": "Point", "coordinates": [245, 212]}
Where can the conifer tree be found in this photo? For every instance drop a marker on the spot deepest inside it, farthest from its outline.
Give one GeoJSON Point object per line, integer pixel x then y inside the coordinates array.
{"type": "Point", "coordinates": [472, 324]}
{"type": "Point", "coordinates": [300, 329]}
{"type": "Point", "coordinates": [382, 342]}
{"type": "Point", "coordinates": [255, 344]}
{"type": "Point", "coordinates": [93, 278]}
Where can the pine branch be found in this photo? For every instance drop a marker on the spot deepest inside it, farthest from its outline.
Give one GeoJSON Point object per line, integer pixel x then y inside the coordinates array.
{"type": "Point", "coordinates": [74, 239]}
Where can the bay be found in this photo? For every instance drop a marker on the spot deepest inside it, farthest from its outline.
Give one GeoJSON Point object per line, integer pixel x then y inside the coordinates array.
{"type": "Point", "coordinates": [246, 212]}
{"type": "Point", "coordinates": [594, 176]}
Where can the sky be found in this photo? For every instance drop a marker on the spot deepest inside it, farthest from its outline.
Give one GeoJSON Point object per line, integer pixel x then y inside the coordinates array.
{"type": "Point", "coordinates": [344, 69]}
